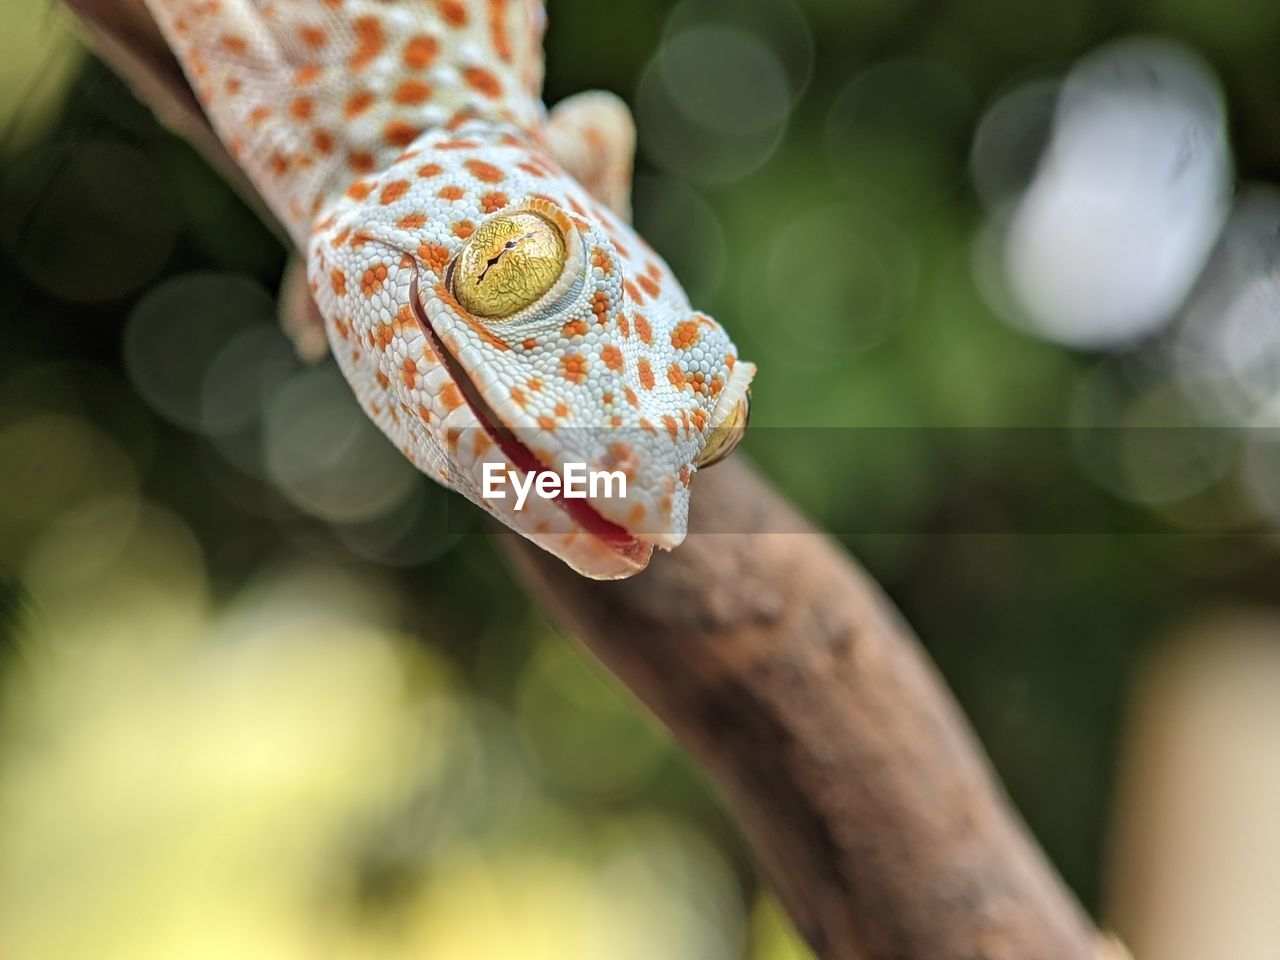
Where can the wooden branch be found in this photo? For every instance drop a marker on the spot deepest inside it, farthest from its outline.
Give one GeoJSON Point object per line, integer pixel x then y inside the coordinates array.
{"type": "Point", "coordinates": [784, 668]}
{"type": "Point", "coordinates": [789, 674]}
{"type": "Point", "coordinates": [126, 38]}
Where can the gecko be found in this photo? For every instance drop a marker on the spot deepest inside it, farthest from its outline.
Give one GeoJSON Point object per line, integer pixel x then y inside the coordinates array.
{"type": "Point", "coordinates": [471, 257]}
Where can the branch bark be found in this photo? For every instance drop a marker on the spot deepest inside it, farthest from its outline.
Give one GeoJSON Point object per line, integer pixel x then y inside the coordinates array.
{"type": "Point", "coordinates": [782, 666]}
{"type": "Point", "coordinates": [785, 669]}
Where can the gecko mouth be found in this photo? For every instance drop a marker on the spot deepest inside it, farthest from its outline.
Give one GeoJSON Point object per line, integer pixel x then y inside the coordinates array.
{"type": "Point", "coordinates": [615, 537]}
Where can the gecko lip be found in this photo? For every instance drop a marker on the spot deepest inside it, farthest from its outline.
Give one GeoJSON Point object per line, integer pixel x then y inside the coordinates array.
{"type": "Point", "coordinates": [616, 537]}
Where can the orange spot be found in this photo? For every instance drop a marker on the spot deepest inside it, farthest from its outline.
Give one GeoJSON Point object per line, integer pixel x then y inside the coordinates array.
{"type": "Point", "coordinates": [600, 305]}
{"type": "Point", "coordinates": [424, 414]}
{"type": "Point", "coordinates": [359, 190]}
{"type": "Point", "coordinates": [358, 103]}
{"type": "Point", "coordinates": [643, 329]}
{"type": "Point", "coordinates": [338, 281]}
{"type": "Point", "coordinates": [573, 368]}
{"type": "Point", "coordinates": [685, 335]}
{"type": "Point", "coordinates": [398, 133]}
{"type": "Point", "coordinates": [383, 380]}
{"type": "Point", "coordinates": [633, 292]}
{"type": "Point", "coordinates": [649, 286]}
{"type": "Point", "coordinates": [434, 256]}
{"type": "Point", "coordinates": [411, 221]}
{"type": "Point", "coordinates": [624, 325]}
{"type": "Point", "coordinates": [312, 36]}
{"type": "Point", "coordinates": [430, 170]}
{"type": "Point", "coordinates": [646, 373]}
{"type": "Point", "coordinates": [631, 396]}
{"type": "Point", "coordinates": [451, 396]}
{"type": "Point", "coordinates": [562, 410]}
{"type": "Point", "coordinates": [647, 426]}
{"type": "Point", "coordinates": [493, 202]}
{"type": "Point", "coordinates": [360, 161]}
{"type": "Point", "coordinates": [498, 29]}
{"type": "Point", "coordinates": [411, 92]}
{"type": "Point", "coordinates": [673, 428]}
{"type": "Point", "coordinates": [528, 343]}
{"type": "Point", "coordinates": [393, 191]}
{"type": "Point", "coordinates": [482, 443]}
{"type": "Point", "coordinates": [486, 172]}
{"type": "Point", "coordinates": [233, 43]}
{"type": "Point", "coordinates": [373, 279]}
{"type": "Point", "coordinates": [534, 384]}
{"type": "Point", "coordinates": [322, 140]}
{"type": "Point", "coordinates": [258, 114]}
{"type": "Point", "coordinates": [574, 328]}
{"type": "Point", "coordinates": [518, 397]}
{"type": "Point", "coordinates": [369, 42]}
{"type": "Point", "coordinates": [546, 423]}
{"type": "Point", "coordinates": [306, 75]}
{"type": "Point", "coordinates": [453, 11]}
{"type": "Point", "coordinates": [612, 357]}
{"type": "Point", "coordinates": [451, 193]}
{"type": "Point", "coordinates": [420, 51]}
{"type": "Point", "coordinates": [676, 375]}
{"type": "Point", "coordinates": [482, 81]}
{"type": "Point", "coordinates": [602, 260]}
{"type": "Point", "coordinates": [463, 229]}
{"type": "Point", "coordinates": [699, 417]}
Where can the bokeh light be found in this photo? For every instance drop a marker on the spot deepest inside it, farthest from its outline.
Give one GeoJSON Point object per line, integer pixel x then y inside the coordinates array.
{"type": "Point", "coordinates": [1128, 199]}
{"type": "Point", "coordinates": [713, 103]}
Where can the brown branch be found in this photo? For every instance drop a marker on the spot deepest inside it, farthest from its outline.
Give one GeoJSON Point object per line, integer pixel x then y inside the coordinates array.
{"type": "Point", "coordinates": [784, 668]}
{"type": "Point", "coordinates": [862, 790]}
{"type": "Point", "coordinates": [126, 38]}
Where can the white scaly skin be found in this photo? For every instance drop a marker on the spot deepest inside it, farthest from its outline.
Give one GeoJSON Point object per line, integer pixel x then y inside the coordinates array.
{"type": "Point", "coordinates": [384, 135]}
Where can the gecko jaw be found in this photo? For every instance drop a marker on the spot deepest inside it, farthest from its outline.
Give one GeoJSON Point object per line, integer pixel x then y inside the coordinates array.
{"type": "Point", "coordinates": [615, 537]}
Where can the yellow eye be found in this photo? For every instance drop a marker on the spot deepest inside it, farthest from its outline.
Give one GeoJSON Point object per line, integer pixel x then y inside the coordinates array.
{"type": "Point", "coordinates": [508, 264]}
{"type": "Point", "coordinates": [725, 437]}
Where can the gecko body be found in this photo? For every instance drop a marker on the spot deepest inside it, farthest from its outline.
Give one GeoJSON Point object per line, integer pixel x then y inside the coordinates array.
{"type": "Point", "coordinates": [469, 252]}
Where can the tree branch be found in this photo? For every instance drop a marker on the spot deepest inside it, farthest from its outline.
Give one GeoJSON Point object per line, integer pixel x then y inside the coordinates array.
{"type": "Point", "coordinates": [788, 673]}
{"type": "Point", "coordinates": [785, 669]}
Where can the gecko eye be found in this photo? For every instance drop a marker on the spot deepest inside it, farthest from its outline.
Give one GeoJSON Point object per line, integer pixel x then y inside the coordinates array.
{"type": "Point", "coordinates": [725, 437]}
{"type": "Point", "coordinates": [509, 264]}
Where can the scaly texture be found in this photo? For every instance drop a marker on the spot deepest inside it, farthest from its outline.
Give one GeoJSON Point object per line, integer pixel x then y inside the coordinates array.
{"type": "Point", "coordinates": [384, 136]}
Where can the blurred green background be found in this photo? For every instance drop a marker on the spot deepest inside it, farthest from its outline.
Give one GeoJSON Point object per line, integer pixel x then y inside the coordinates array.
{"type": "Point", "coordinates": [262, 696]}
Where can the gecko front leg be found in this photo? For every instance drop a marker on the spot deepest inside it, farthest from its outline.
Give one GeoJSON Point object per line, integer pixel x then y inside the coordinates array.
{"type": "Point", "coordinates": [593, 137]}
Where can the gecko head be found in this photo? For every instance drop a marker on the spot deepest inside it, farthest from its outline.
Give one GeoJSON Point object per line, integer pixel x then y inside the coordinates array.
{"type": "Point", "coordinates": [557, 345]}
